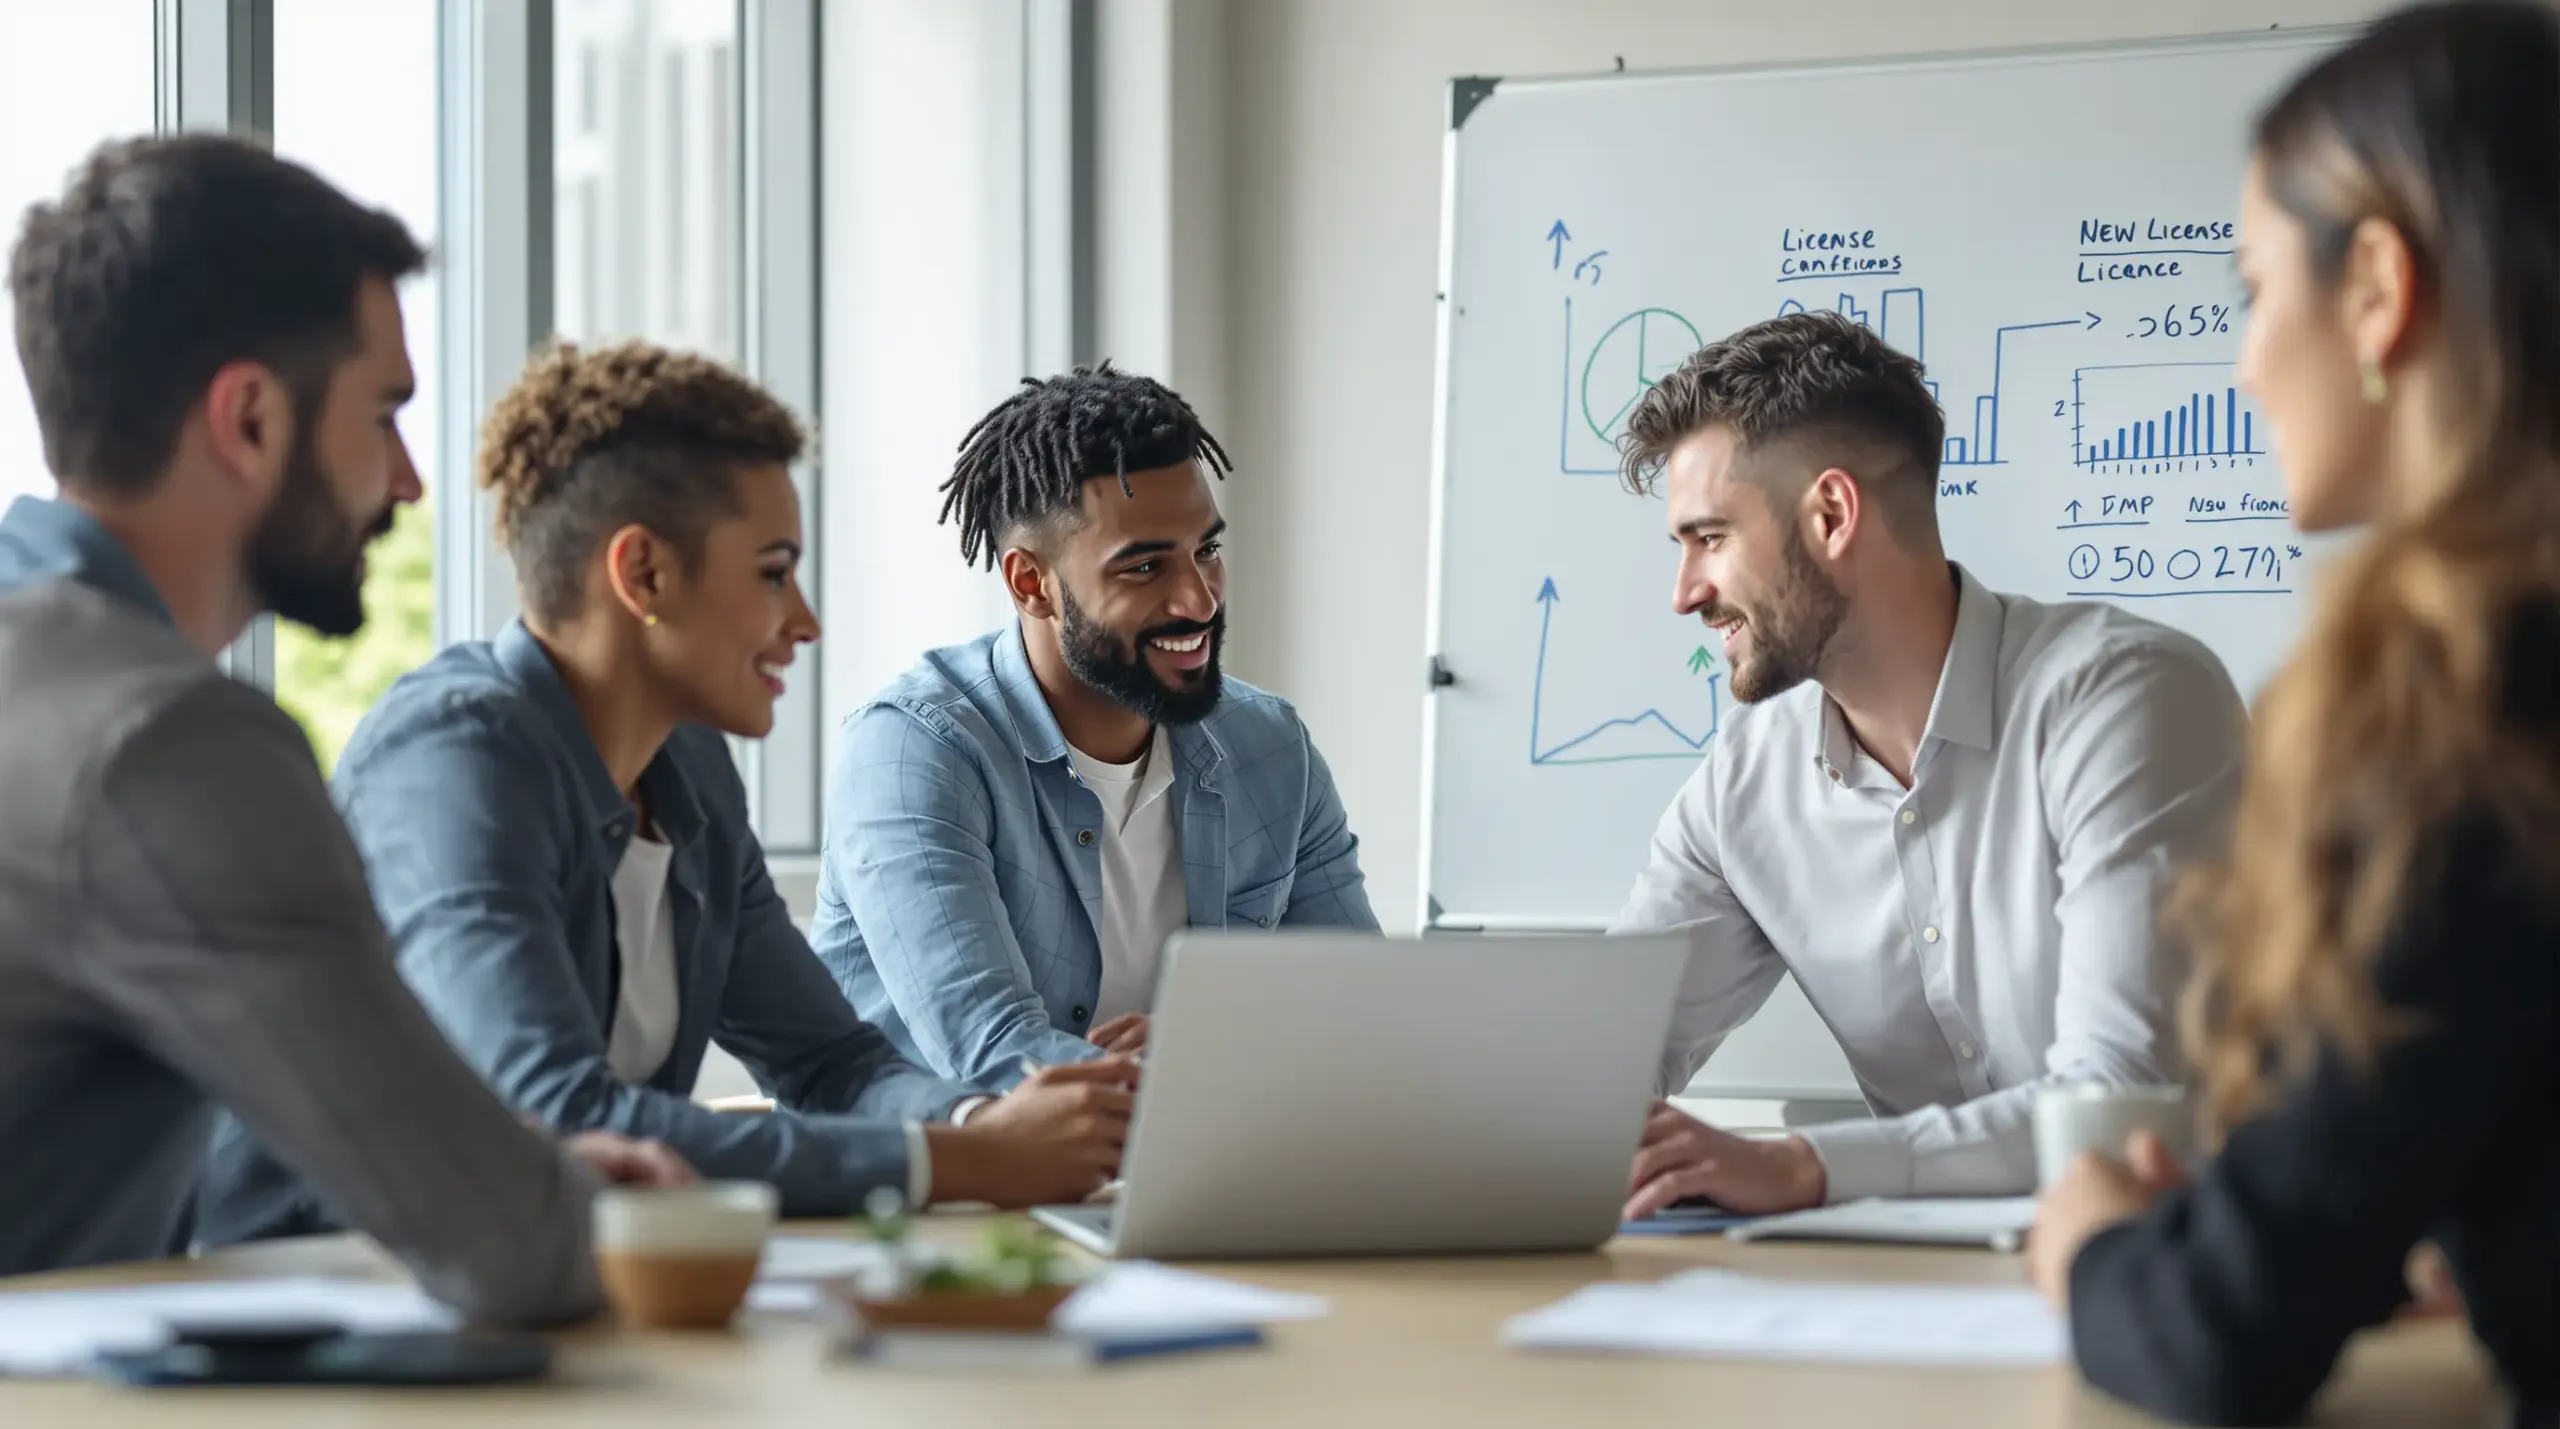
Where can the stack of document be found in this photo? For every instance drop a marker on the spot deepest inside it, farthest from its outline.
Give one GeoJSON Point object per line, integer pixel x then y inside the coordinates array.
{"type": "Point", "coordinates": [60, 1332]}
{"type": "Point", "coordinates": [1135, 1299]}
{"type": "Point", "coordinates": [2000, 1223]}
{"type": "Point", "coordinates": [1723, 1314]}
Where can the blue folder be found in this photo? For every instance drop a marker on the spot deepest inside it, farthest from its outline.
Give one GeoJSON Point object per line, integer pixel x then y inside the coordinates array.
{"type": "Point", "coordinates": [1684, 1220]}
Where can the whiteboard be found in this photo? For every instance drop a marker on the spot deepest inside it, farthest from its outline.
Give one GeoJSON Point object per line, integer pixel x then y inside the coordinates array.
{"type": "Point", "coordinates": [2047, 231]}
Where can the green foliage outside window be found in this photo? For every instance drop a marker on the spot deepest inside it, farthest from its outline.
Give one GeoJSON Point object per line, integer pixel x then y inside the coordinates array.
{"type": "Point", "coordinates": [327, 685]}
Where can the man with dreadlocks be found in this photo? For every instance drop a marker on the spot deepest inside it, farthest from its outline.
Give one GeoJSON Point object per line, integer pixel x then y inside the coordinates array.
{"type": "Point", "coordinates": [1018, 823]}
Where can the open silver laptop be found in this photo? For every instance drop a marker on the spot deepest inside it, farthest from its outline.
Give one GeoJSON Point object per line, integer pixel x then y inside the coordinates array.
{"type": "Point", "coordinates": [1347, 1093]}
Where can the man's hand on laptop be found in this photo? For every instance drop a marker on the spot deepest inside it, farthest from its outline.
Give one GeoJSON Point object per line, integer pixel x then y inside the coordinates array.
{"type": "Point", "coordinates": [1124, 1035]}
{"type": "Point", "coordinates": [1054, 1138]}
{"type": "Point", "coordinates": [1682, 1157]}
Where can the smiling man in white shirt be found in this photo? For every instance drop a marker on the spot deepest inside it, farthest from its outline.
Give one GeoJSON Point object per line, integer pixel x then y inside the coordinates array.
{"type": "Point", "coordinates": [1950, 813]}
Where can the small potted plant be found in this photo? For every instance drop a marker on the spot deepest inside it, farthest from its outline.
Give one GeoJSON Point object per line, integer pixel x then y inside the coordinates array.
{"type": "Point", "coordinates": [1015, 1280]}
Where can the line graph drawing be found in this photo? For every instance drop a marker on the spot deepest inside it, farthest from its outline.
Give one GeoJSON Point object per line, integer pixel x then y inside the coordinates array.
{"type": "Point", "coordinates": [1646, 735]}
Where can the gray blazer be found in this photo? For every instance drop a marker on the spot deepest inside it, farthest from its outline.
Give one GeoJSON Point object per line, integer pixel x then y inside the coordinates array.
{"type": "Point", "coordinates": [183, 921]}
{"type": "Point", "coordinates": [492, 830]}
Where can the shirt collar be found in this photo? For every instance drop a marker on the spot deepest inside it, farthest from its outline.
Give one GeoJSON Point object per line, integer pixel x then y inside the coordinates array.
{"type": "Point", "coordinates": [1960, 712]}
{"type": "Point", "coordinates": [1035, 728]}
{"type": "Point", "coordinates": [1158, 779]}
{"type": "Point", "coordinates": [50, 538]}
{"type": "Point", "coordinates": [673, 805]}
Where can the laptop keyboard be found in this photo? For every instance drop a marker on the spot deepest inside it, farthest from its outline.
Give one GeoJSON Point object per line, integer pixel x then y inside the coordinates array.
{"type": "Point", "coordinates": [1096, 1219]}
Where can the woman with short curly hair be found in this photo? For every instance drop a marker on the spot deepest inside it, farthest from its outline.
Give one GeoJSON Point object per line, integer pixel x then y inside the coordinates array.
{"type": "Point", "coordinates": [559, 839]}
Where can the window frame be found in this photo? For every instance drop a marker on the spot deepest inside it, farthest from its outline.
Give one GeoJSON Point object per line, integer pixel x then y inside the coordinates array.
{"type": "Point", "coordinates": [214, 70]}
{"type": "Point", "coordinates": [778, 60]}
{"type": "Point", "coordinates": [214, 67]}
{"type": "Point", "coordinates": [494, 79]}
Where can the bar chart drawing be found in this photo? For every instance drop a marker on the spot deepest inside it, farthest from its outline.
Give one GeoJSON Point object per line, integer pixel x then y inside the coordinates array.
{"type": "Point", "coordinates": [1900, 317]}
{"type": "Point", "coordinates": [1904, 326]}
{"type": "Point", "coordinates": [2141, 413]}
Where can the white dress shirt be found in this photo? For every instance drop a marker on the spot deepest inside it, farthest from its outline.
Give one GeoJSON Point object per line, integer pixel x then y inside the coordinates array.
{"type": "Point", "coordinates": [1990, 928]}
{"type": "Point", "coordinates": [1143, 898]}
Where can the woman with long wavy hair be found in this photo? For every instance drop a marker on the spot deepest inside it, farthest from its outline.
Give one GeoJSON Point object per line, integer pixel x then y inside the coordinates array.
{"type": "Point", "coordinates": [2378, 1018]}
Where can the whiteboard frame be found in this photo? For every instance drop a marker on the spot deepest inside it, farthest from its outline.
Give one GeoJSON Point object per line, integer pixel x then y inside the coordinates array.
{"type": "Point", "coordinates": [1430, 914]}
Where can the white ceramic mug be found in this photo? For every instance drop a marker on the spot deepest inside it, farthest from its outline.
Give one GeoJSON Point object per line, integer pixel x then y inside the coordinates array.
{"type": "Point", "coordinates": [681, 1256]}
{"type": "Point", "coordinates": [2087, 1116]}
{"type": "Point", "coordinates": [707, 1217]}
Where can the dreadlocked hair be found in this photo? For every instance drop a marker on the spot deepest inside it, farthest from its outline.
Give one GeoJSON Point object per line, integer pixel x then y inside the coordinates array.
{"type": "Point", "coordinates": [1026, 462]}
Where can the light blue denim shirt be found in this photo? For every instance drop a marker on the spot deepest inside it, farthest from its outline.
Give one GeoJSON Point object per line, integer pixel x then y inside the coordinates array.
{"type": "Point", "coordinates": [961, 892]}
{"type": "Point", "coordinates": [491, 831]}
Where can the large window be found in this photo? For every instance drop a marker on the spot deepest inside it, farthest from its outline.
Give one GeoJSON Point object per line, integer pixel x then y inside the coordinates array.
{"type": "Point", "coordinates": [355, 98]}
{"type": "Point", "coordinates": [72, 73]}
{"type": "Point", "coordinates": [646, 172]}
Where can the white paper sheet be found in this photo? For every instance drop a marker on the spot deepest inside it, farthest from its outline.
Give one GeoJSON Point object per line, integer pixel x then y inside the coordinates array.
{"type": "Point", "coordinates": [803, 1257]}
{"type": "Point", "coordinates": [792, 1299]}
{"type": "Point", "coordinates": [58, 1332]}
{"type": "Point", "coordinates": [1137, 1299]}
{"type": "Point", "coordinates": [2000, 1223]}
{"type": "Point", "coordinates": [1722, 1314]}
{"type": "Point", "coordinates": [1124, 1300]}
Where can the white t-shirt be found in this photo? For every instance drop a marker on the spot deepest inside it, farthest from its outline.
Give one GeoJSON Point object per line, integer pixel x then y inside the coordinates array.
{"type": "Point", "coordinates": [1143, 901]}
{"type": "Point", "coordinates": [646, 1007]}
{"type": "Point", "coordinates": [644, 927]}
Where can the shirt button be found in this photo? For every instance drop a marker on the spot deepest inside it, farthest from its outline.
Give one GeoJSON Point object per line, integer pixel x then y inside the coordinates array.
{"type": "Point", "coordinates": [1909, 817]}
{"type": "Point", "coordinates": [1833, 770]}
{"type": "Point", "coordinates": [1264, 920]}
{"type": "Point", "coordinates": [1928, 935]}
{"type": "Point", "coordinates": [1966, 1050]}
{"type": "Point", "coordinates": [1084, 838]}
{"type": "Point", "coordinates": [1080, 1014]}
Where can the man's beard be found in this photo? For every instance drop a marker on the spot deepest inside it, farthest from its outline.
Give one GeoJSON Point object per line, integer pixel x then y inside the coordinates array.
{"type": "Point", "coordinates": [305, 561]}
{"type": "Point", "coordinates": [1792, 632]}
{"type": "Point", "coordinates": [1119, 671]}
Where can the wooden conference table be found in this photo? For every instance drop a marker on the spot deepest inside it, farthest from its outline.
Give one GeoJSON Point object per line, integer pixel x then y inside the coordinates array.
{"type": "Point", "coordinates": [1409, 1342]}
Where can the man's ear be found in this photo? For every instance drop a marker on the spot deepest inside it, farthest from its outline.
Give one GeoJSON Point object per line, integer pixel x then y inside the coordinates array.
{"type": "Point", "coordinates": [249, 426]}
{"type": "Point", "coordinates": [1026, 579]}
{"type": "Point", "coordinates": [1832, 509]}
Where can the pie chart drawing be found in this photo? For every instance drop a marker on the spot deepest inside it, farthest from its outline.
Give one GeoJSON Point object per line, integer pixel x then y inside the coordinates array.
{"type": "Point", "coordinates": [1636, 352]}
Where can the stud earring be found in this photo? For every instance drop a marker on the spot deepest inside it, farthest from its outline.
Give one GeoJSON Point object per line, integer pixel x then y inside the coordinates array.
{"type": "Point", "coordinates": [2376, 386]}
{"type": "Point", "coordinates": [651, 619]}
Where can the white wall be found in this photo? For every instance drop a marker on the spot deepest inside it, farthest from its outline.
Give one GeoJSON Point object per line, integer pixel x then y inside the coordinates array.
{"type": "Point", "coordinates": [922, 318]}
{"type": "Point", "coordinates": [1334, 112]}
{"type": "Point", "coordinates": [1161, 192]}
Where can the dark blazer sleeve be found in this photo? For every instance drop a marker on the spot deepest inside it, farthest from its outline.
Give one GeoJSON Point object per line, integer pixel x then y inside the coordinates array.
{"type": "Point", "coordinates": [781, 1013]}
{"type": "Point", "coordinates": [2230, 1302]}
